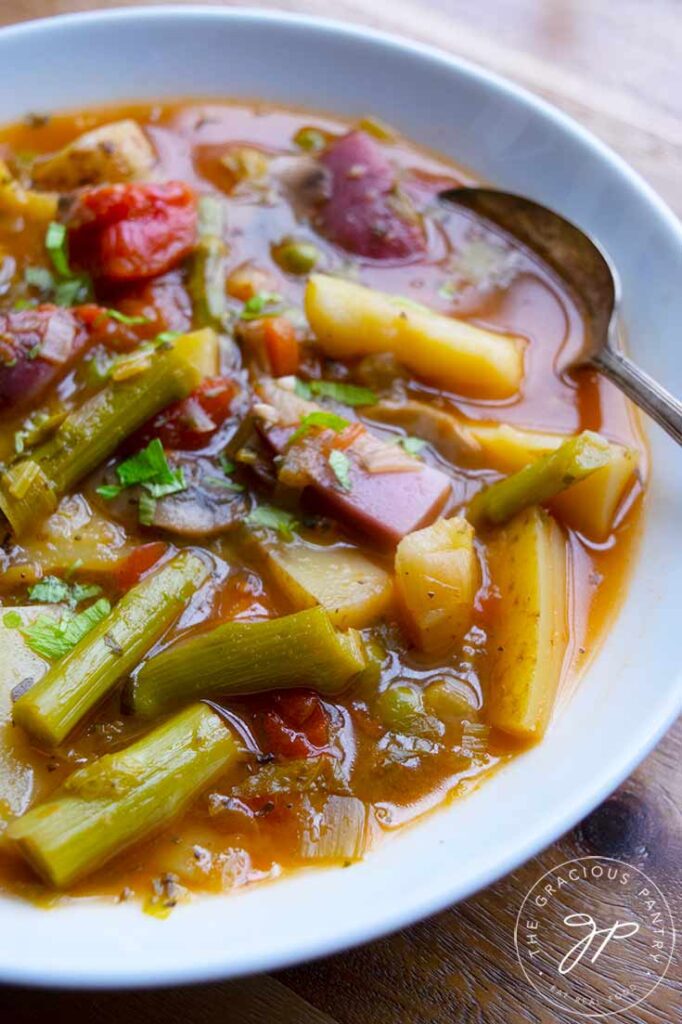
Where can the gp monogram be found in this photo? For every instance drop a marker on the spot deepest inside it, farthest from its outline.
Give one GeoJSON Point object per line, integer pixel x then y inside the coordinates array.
{"type": "Point", "coordinates": [594, 936]}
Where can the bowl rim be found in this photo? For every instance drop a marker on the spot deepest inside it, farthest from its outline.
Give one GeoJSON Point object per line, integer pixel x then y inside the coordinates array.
{"type": "Point", "coordinates": [561, 818]}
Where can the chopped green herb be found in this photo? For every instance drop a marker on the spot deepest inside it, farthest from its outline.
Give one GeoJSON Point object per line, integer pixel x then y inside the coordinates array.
{"type": "Point", "coordinates": [261, 304]}
{"type": "Point", "coordinates": [412, 445]}
{"type": "Point", "coordinates": [109, 491]}
{"type": "Point", "coordinates": [129, 321]}
{"type": "Point", "coordinates": [329, 420]}
{"type": "Point", "coordinates": [340, 464]}
{"type": "Point", "coordinates": [227, 465]}
{"type": "Point", "coordinates": [348, 394]}
{"type": "Point", "coordinates": [274, 519]}
{"type": "Point", "coordinates": [52, 590]}
{"type": "Point", "coordinates": [11, 620]}
{"type": "Point", "coordinates": [166, 338]}
{"type": "Point", "coordinates": [39, 277]}
{"type": "Point", "coordinates": [220, 481]}
{"type": "Point", "coordinates": [73, 291]}
{"type": "Point", "coordinates": [24, 304]}
{"type": "Point", "coordinates": [160, 489]}
{"type": "Point", "coordinates": [302, 388]}
{"type": "Point", "coordinates": [49, 590]}
{"type": "Point", "coordinates": [52, 638]}
{"type": "Point", "coordinates": [147, 465]}
{"type": "Point", "coordinates": [57, 245]}
{"type": "Point", "coordinates": [146, 508]}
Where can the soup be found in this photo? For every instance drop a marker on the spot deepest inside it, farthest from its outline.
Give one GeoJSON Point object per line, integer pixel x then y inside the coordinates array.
{"type": "Point", "coordinates": [305, 529]}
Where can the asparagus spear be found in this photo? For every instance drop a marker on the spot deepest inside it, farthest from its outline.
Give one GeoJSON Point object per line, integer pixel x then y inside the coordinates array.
{"type": "Point", "coordinates": [30, 488]}
{"type": "Point", "coordinates": [207, 275]}
{"type": "Point", "coordinates": [126, 796]}
{"type": "Point", "coordinates": [51, 708]}
{"type": "Point", "coordinates": [302, 649]}
{"type": "Point", "coordinates": [575, 460]}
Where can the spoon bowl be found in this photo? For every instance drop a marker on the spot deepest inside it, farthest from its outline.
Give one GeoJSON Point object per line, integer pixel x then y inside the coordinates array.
{"type": "Point", "coordinates": [594, 283]}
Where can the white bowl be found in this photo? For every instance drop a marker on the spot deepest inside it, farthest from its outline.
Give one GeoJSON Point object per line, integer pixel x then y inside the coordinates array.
{"type": "Point", "coordinates": [633, 689]}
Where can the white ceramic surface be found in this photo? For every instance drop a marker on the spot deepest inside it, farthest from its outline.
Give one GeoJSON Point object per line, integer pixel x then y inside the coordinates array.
{"type": "Point", "coordinates": [633, 689]}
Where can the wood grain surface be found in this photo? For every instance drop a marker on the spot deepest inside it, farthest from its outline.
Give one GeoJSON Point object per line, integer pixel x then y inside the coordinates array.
{"type": "Point", "coordinates": [617, 68]}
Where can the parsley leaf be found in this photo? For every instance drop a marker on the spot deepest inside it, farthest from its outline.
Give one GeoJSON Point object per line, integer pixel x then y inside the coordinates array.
{"type": "Point", "coordinates": [129, 321]}
{"type": "Point", "coordinates": [318, 419]}
{"type": "Point", "coordinates": [261, 304]}
{"type": "Point", "coordinates": [57, 245]}
{"type": "Point", "coordinates": [52, 638]}
{"type": "Point", "coordinates": [12, 620]}
{"type": "Point", "coordinates": [149, 468]}
{"type": "Point", "coordinates": [40, 278]}
{"type": "Point", "coordinates": [340, 464]}
{"type": "Point", "coordinates": [220, 481]}
{"type": "Point", "coordinates": [70, 288]}
{"type": "Point", "coordinates": [412, 445]}
{"type": "Point", "coordinates": [274, 519]}
{"type": "Point", "coordinates": [348, 394]}
{"type": "Point", "coordinates": [52, 590]}
{"type": "Point", "coordinates": [227, 465]}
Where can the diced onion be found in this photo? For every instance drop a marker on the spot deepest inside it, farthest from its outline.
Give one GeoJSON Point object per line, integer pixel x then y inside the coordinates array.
{"type": "Point", "coordinates": [338, 832]}
{"type": "Point", "coordinates": [377, 456]}
{"type": "Point", "coordinates": [57, 343]}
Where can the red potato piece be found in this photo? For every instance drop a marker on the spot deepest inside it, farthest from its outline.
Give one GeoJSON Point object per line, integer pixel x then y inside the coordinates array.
{"type": "Point", "coordinates": [37, 347]}
{"type": "Point", "coordinates": [366, 213]}
{"type": "Point", "coordinates": [132, 232]}
{"type": "Point", "coordinates": [386, 506]}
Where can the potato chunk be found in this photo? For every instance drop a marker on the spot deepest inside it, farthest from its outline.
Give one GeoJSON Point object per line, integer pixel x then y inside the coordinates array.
{"type": "Point", "coordinates": [589, 506]}
{"type": "Point", "coordinates": [354, 591]}
{"type": "Point", "coordinates": [529, 631]}
{"type": "Point", "coordinates": [437, 576]}
{"type": "Point", "coordinates": [15, 201]}
{"type": "Point", "coordinates": [18, 663]}
{"type": "Point", "coordinates": [114, 152]}
{"type": "Point", "coordinates": [350, 320]}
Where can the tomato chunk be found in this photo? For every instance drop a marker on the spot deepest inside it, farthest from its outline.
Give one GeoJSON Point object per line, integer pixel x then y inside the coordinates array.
{"type": "Point", "coordinates": [297, 725]}
{"type": "Point", "coordinates": [132, 232]}
{"type": "Point", "coordinates": [138, 562]}
{"type": "Point", "coordinates": [281, 346]}
{"type": "Point", "coordinates": [192, 422]}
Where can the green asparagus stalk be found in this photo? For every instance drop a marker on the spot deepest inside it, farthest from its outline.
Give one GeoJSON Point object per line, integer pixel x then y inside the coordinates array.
{"type": "Point", "coordinates": [52, 708]}
{"type": "Point", "coordinates": [576, 459]}
{"type": "Point", "coordinates": [302, 649]}
{"type": "Point", "coordinates": [31, 486]}
{"type": "Point", "coordinates": [207, 275]}
{"type": "Point", "coordinates": [125, 797]}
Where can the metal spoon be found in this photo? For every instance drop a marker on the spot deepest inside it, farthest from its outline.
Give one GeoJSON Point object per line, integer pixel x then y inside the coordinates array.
{"type": "Point", "coordinates": [595, 285]}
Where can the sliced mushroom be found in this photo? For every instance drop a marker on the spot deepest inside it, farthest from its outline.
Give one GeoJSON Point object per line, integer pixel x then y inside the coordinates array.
{"type": "Point", "coordinates": [449, 437]}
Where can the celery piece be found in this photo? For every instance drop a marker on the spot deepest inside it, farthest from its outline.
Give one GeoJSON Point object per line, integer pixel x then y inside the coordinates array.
{"type": "Point", "coordinates": [302, 649]}
{"type": "Point", "coordinates": [575, 460]}
{"type": "Point", "coordinates": [30, 488]}
{"type": "Point", "coordinates": [207, 272]}
{"type": "Point", "coordinates": [51, 709]}
{"type": "Point", "coordinates": [125, 797]}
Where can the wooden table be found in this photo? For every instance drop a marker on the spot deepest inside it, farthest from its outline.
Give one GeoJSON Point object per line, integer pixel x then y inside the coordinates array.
{"type": "Point", "coordinates": [617, 69]}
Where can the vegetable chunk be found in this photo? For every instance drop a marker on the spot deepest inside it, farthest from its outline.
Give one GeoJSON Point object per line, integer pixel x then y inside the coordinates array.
{"type": "Point", "coordinates": [302, 649]}
{"type": "Point", "coordinates": [114, 152]}
{"type": "Point", "coordinates": [437, 577]}
{"type": "Point", "coordinates": [125, 797]}
{"type": "Point", "coordinates": [350, 320]}
{"type": "Point", "coordinates": [354, 591]}
{"type": "Point", "coordinates": [366, 212]}
{"type": "Point", "coordinates": [528, 633]}
{"type": "Point", "coordinates": [574, 461]}
{"type": "Point", "coordinates": [589, 506]}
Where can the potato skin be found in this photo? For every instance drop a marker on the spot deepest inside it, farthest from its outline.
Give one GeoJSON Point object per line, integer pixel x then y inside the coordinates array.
{"type": "Point", "coordinates": [529, 630]}
{"type": "Point", "coordinates": [437, 577]}
{"type": "Point", "coordinates": [351, 320]}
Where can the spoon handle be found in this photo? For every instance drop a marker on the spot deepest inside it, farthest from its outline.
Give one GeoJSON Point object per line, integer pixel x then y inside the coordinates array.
{"type": "Point", "coordinates": [642, 389]}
